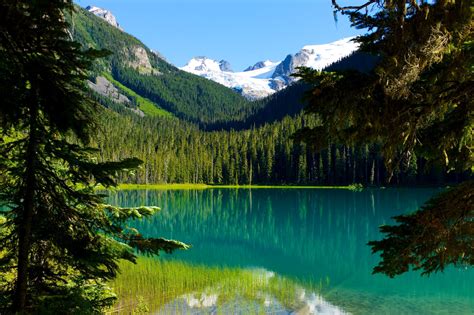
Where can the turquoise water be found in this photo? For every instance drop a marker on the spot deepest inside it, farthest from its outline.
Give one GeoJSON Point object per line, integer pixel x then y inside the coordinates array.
{"type": "Point", "coordinates": [312, 236]}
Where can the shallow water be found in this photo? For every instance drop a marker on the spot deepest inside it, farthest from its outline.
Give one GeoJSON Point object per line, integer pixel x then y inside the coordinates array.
{"type": "Point", "coordinates": [317, 237]}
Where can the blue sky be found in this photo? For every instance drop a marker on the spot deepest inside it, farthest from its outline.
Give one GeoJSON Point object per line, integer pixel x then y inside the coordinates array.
{"type": "Point", "coordinates": [240, 31]}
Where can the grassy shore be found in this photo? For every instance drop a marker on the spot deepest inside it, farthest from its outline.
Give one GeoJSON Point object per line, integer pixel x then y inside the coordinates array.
{"type": "Point", "coordinates": [152, 283]}
{"type": "Point", "coordinates": [205, 186]}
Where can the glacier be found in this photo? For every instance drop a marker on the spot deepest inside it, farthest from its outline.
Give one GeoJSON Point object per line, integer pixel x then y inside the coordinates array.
{"type": "Point", "coordinates": [268, 77]}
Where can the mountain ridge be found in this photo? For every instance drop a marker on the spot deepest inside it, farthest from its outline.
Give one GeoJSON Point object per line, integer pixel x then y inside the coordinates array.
{"type": "Point", "coordinates": [136, 79]}
{"type": "Point", "coordinates": [265, 78]}
{"type": "Point", "coordinates": [255, 82]}
{"type": "Point", "coordinates": [105, 15]}
{"type": "Point", "coordinates": [138, 70]}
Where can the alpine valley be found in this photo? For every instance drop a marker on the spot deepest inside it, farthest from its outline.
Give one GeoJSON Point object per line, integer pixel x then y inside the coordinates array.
{"type": "Point", "coordinates": [204, 123]}
{"type": "Point", "coordinates": [299, 184]}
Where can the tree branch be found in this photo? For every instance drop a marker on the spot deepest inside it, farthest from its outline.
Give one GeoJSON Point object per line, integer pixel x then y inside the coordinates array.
{"type": "Point", "coordinates": [355, 8]}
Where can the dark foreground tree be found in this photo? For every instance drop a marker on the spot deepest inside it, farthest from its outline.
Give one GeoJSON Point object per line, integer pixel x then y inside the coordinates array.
{"type": "Point", "coordinates": [59, 242]}
{"type": "Point", "coordinates": [418, 101]}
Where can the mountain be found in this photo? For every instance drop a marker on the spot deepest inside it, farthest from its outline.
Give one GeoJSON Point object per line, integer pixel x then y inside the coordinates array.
{"type": "Point", "coordinates": [316, 57]}
{"type": "Point", "coordinates": [260, 65]}
{"type": "Point", "coordinates": [204, 64]}
{"type": "Point", "coordinates": [253, 84]}
{"type": "Point", "coordinates": [290, 101]}
{"type": "Point", "coordinates": [135, 79]}
{"type": "Point", "coordinates": [267, 77]}
{"type": "Point", "coordinates": [188, 129]}
{"type": "Point", "coordinates": [104, 14]}
{"type": "Point", "coordinates": [151, 85]}
{"type": "Point", "coordinates": [224, 65]}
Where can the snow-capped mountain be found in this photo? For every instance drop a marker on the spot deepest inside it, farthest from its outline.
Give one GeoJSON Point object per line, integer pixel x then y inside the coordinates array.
{"type": "Point", "coordinates": [267, 77]}
{"type": "Point", "coordinates": [315, 56]}
{"type": "Point", "coordinates": [105, 14]}
{"type": "Point", "coordinates": [253, 84]}
{"type": "Point", "coordinates": [204, 64]}
{"type": "Point", "coordinates": [260, 65]}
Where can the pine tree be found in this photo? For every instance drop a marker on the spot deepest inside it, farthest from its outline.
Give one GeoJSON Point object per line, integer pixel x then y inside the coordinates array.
{"type": "Point", "coordinates": [59, 241]}
{"type": "Point", "coordinates": [418, 100]}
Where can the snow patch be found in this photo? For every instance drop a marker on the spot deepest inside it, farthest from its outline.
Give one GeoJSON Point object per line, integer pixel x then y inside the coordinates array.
{"type": "Point", "coordinates": [267, 77]}
{"type": "Point", "coordinates": [322, 56]}
{"type": "Point", "coordinates": [252, 84]}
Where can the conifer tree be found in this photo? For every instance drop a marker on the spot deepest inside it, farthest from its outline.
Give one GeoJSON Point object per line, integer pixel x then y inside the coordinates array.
{"type": "Point", "coordinates": [417, 101]}
{"type": "Point", "coordinates": [59, 241]}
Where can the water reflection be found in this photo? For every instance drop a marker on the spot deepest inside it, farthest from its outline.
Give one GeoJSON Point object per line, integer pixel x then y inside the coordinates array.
{"type": "Point", "coordinates": [315, 236]}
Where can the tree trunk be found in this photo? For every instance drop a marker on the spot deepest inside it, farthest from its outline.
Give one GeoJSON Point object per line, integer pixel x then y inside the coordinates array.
{"type": "Point", "coordinates": [26, 218]}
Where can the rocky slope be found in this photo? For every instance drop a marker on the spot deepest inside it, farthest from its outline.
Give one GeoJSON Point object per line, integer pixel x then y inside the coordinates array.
{"type": "Point", "coordinates": [151, 84]}
{"type": "Point", "coordinates": [104, 14]}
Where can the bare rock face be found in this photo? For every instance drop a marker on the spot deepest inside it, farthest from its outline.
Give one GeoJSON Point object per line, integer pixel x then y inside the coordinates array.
{"type": "Point", "coordinates": [138, 59]}
{"type": "Point", "coordinates": [258, 65]}
{"type": "Point", "coordinates": [289, 66]}
{"type": "Point", "coordinates": [105, 88]}
{"type": "Point", "coordinates": [284, 69]}
{"type": "Point", "coordinates": [278, 84]}
{"type": "Point", "coordinates": [104, 14]}
{"type": "Point", "coordinates": [317, 57]}
{"type": "Point", "coordinates": [224, 65]}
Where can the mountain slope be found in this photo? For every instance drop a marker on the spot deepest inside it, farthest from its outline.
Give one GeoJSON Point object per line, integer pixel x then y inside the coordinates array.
{"type": "Point", "coordinates": [104, 14]}
{"type": "Point", "coordinates": [136, 79]}
{"type": "Point", "coordinates": [290, 101]}
{"type": "Point", "coordinates": [267, 77]}
{"type": "Point", "coordinates": [144, 72]}
{"type": "Point", "coordinates": [317, 57]}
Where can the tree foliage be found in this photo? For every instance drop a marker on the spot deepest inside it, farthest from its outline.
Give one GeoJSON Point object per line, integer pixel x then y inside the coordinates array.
{"type": "Point", "coordinates": [176, 151]}
{"type": "Point", "coordinates": [59, 241]}
{"type": "Point", "coordinates": [417, 101]}
{"type": "Point", "coordinates": [439, 234]}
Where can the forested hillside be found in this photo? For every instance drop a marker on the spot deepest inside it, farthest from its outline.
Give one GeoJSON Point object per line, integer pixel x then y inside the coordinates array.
{"type": "Point", "coordinates": [179, 152]}
{"type": "Point", "coordinates": [134, 65]}
{"type": "Point", "coordinates": [189, 129]}
{"type": "Point", "coordinates": [149, 81]}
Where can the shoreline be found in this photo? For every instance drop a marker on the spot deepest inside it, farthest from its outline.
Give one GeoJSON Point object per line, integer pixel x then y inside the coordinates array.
{"type": "Point", "coordinates": [206, 186]}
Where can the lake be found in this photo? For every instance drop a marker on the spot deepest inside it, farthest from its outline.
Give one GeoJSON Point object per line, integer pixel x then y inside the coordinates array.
{"type": "Point", "coordinates": [314, 239]}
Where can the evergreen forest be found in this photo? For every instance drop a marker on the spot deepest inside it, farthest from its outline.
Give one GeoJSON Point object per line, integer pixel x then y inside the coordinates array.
{"type": "Point", "coordinates": [202, 132]}
{"type": "Point", "coordinates": [87, 108]}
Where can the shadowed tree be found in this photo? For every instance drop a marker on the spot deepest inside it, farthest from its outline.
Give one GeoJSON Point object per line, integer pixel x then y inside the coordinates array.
{"type": "Point", "coordinates": [59, 241]}
{"type": "Point", "coordinates": [418, 100]}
